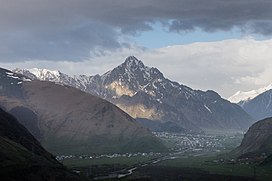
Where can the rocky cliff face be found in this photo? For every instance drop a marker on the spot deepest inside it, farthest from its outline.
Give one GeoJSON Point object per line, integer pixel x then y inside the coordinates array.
{"type": "Point", "coordinates": [258, 139]}
{"type": "Point", "coordinates": [69, 121]}
{"type": "Point", "coordinates": [144, 93]}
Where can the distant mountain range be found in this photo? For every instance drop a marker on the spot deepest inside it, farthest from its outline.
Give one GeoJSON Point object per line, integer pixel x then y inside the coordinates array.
{"type": "Point", "coordinates": [23, 158]}
{"type": "Point", "coordinates": [257, 140]}
{"type": "Point", "coordinates": [257, 103]}
{"type": "Point", "coordinates": [68, 121]}
{"type": "Point", "coordinates": [145, 94]}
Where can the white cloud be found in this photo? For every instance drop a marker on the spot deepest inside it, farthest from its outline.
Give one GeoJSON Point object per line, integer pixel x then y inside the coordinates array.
{"type": "Point", "coordinates": [225, 66]}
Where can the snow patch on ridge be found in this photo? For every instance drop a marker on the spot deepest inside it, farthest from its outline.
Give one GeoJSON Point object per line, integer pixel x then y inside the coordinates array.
{"type": "Point", "coordinates": [208, 108]}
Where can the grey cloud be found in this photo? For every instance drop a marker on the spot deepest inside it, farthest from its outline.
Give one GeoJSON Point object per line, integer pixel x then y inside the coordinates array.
{"type": "Point", "coordinates": [262, 28]}
{"type": "Point", "coordinates": [177, 26]}
{"type": "Point", "coordinates": [69, 43]}
{"type": "Point", "coordinates": [69, 29]}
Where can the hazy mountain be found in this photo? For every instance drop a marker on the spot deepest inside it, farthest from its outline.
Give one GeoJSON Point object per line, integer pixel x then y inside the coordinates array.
{"type": "Point", "coordinates": [144, 92]}
{"type": "Point", "coordinates": [258, 139]}
{"type": "Point", "coordinates": [23, 158]}
{"type": "Point", "coordinates": [259, 107]}
{"type": "Point", "coordinates": [69, 121]}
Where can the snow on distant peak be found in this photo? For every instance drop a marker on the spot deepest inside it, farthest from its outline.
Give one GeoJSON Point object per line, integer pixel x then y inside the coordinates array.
{"type": "Point", "coordinates": [248, 95]}
{"type": "Point", "coordinates": [43, 73]}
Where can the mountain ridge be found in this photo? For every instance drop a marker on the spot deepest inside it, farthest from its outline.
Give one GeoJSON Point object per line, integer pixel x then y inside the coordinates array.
{"type": "Point", "coordinates": [144, 92]}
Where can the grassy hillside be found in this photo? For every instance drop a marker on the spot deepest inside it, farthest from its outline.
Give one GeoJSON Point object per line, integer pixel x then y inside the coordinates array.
{"type": "Point", "coordinates": [22, 157]}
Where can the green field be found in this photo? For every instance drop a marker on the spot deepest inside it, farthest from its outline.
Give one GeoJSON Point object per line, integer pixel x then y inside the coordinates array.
{"type": "Point", "coordinates": [207, 164]}
{"type": "Point", "coordinates": [195, 165]}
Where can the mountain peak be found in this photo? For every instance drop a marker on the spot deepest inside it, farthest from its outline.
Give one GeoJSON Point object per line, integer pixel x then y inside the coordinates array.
{"type": "Point", "coordinates": [135, 67]}
{"type": "Point", "coordinates": [133, 62]}
{"type": "Point", "coordinates": [131, 59]}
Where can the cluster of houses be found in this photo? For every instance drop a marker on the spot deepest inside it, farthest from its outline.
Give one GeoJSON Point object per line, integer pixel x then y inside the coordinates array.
{"type": "Point", "coordinates": [192, 142]}
{"type": "Point", "coordinates": [114, 155]}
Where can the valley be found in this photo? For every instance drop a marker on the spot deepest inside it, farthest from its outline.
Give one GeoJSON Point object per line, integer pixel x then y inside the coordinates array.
{"type": "Point", "coordinates": [176, 142]}
{"type": "Point", "coordinates": [190, 157]}
{"type": "Point", "coordinates": [204, 155]}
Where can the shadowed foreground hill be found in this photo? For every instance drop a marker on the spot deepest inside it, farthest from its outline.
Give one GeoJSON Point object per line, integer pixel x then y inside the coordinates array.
{"type": "Point", "coordinates": [23, 158]}
{"type": "Point", "coordinates": [258, 139]}
{"type": "Point", "coordinates": [88, 123]}
{"type": "Point", "coordinates": [68, 121]}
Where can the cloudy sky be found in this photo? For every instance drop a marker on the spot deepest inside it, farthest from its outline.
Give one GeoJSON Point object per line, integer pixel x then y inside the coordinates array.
{"type": "Point", "coordinates": [213, 44]}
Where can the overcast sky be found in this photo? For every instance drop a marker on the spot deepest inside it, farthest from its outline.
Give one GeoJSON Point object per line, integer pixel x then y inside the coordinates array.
{"type": "Point", "coordinates": [212, 44]}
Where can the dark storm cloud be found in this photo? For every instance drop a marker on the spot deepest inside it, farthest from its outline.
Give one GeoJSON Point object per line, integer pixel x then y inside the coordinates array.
{"type": "Point", "coordinates": [69, 29]}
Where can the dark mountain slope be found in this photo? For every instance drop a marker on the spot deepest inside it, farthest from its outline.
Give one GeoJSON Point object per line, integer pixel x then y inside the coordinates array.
{"type": "Point", "coordinates": [23, 158]}
{"type": "Point", "coordinates": [267, 161]}
{"type": "Point", "coordinates": [258, 139]}
{"type": "Point", "coordinates": [11, 83]}
{"type": "Point", "coordinates": [27, 118]}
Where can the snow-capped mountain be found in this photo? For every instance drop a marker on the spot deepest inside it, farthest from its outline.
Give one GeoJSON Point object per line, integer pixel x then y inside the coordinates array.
{"type": "Point", "coordinates": [80, 82]}
{"type": "Point", "coordinates": [143, 92]}
{"type": "Point", "coordinates": [240, 97]}
{"type": "Point", "coordinates": [260, 107]}
{"type": "Point", "coordinates": [44, 74]}
{"type": "Point", "coordinates": [257, 103]}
